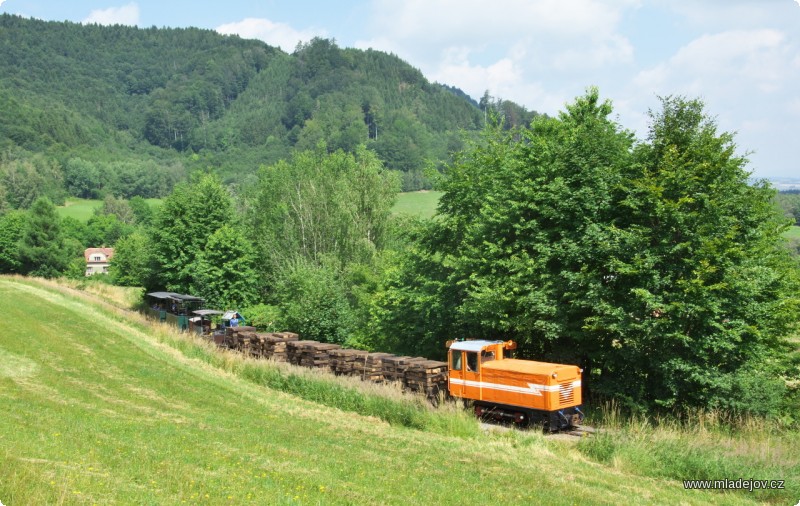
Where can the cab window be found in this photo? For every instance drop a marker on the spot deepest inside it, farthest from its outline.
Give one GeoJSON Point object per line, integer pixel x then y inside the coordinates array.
{"type": "Point", "coordinates": [455, 360]}
{"type": "Point", "coordinates": [472, 361]}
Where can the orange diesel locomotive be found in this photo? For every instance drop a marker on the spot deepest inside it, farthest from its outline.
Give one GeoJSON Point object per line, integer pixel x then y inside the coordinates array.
{"type": "Point", "coordinates": [522, 391]}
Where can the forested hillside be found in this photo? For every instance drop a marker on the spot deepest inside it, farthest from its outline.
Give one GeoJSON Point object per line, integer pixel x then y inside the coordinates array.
{"type": "Point", "coordinates": [128, 111]}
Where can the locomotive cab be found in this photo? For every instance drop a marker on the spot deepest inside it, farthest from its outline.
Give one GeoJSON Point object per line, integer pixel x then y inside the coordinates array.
{"type": "Point", "coordinates": [522, 391]}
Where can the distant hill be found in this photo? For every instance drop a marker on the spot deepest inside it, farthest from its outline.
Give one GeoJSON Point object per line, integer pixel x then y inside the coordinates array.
{"type": "Point", "coordinates": [192, 99]}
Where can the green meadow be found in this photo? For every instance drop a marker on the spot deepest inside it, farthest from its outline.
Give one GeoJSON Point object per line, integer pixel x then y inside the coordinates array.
{"type": "Point", "coordinates": [422, 203]}
{"type": "Point", "coordinates": [103, 407]}
{"type": "Point", "coordinates": [83, 209]}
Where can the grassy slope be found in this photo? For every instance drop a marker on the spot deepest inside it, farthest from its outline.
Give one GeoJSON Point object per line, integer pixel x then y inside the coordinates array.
{"type": "Point", "coordinates": [98, 409]}
{"type": "Point", "coordinates": [792, 233]}
{"type": "Point", "coordinates": [422, 204]}
{"type": "Point", "coordinates": [83, 209]}
{"type": "Point", "coordinates": [80, 209]}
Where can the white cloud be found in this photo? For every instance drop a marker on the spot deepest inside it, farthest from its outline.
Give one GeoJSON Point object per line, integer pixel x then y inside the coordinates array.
{"type": "Point", "coordinates": [510, 47]}
{"type": "Point", "coordinates": [472, 20]}
{"type": "Point", "coordinates": [611, 50]}
{"type": "Point", "coordinates": [125, 15]}
{"type": "Point", "coordinates": [747, 79]}
{"type": "Point", "coordinates": [274, 34]}
{"type": "Point", "coordinates": [504, 78]}
{"type": "Point", "coordinates": [2, 2]}
{"type": "Point", "coordinates": [544, 28]}
{"type": "Point", "coordinates": [758, 60]}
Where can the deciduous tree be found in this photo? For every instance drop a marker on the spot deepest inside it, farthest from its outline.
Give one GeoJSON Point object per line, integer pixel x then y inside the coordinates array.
{"type": "Point", "coordinates": [657, 266]}
{"type": "Point", "coordinates": [225, 272]}
{"type": "Point", "coordinates": [132, 263]}
{"type": "Point", "coordinates": [188, 217]}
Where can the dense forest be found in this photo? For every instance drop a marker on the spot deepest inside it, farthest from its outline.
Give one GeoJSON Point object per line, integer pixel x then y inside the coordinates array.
{"type": "Point", "coordinates": [657, 265]}
{"type": "Point", "coordinates": [129, 111]}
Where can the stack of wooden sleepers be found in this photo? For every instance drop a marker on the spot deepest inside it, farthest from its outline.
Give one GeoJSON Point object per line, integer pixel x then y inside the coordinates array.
{"type": "Point", "coordinates": [267, 344]}
{"type": "Point", "coordinates": [347, 362]}
{"type": "Point", "coordinates": [238, 338]}
{"type": "Point", "coordinates": [428, 377]}
{"type": "Point", "coordinates": [257, 344]}
{"type": "Point", "coordinates": [417, 374]}
{"type": "Point", "coordinates": [373, 367]}
{"type": "Point", "coordinates": [294, 349]}
{"type": "Point", "coordinates": [394, 368]}
{"type": "Point", "coordinates": [316, 355]}
{"type": "Point", "coordinates": [275, 345]}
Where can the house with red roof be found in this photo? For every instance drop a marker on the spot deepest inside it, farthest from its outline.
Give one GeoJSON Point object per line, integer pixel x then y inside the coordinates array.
{"type": "Point", "coordinates": [97, 260]}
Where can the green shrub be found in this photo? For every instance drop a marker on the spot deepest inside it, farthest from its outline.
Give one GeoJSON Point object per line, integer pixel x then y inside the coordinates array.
{"type": "Point", "coordinates": [263, 317]}
{"type": "Point", "coordinates": [313, 302]}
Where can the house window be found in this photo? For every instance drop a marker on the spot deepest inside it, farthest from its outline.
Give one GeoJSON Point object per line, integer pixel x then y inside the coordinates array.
{"type": "Point", "coordinates": [98, 258]}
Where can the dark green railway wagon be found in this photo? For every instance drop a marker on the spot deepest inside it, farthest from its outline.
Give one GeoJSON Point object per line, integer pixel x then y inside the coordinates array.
{"type": "Point", "coordinates": [173, 308]}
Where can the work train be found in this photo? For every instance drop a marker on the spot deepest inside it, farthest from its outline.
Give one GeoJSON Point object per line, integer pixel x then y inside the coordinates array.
{"type": "Point", "coordinates": [482, 373]}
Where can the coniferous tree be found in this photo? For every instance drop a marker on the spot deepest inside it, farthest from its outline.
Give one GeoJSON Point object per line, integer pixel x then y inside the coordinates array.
{"type": "Point", "coordinates": [42, 250]}
{"type": "Point", "coordinates": [12, 223]}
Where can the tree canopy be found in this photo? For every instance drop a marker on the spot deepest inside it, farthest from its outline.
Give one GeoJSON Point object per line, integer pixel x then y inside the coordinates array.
{"type": "Point", "coordinates": [188, 217]}
{"type": "Point", "coordinates": [656, 265]}
{"type": "Point", "coordinates": [322, 204]}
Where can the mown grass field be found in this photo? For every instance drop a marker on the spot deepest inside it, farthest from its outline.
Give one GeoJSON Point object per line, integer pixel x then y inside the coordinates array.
{"type": "Point", "coordinates": [102, 407]}
{"type": "Point", "coordinates": [422, 204]}
{"type": "Point", "coordinates": [83, 209]}
{"type": "Point", "coordinates": [80, 209]}
{"type": "Point", "coordinates": [792, 233]}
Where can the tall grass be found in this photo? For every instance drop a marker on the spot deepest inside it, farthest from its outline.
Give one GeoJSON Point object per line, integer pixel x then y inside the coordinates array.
{"type": "Point", "coordinates": [387, 402]}
{"type": "Point", "coordinates": [706, 445]}
{"type": "Point", "coordinates": [123, 297]}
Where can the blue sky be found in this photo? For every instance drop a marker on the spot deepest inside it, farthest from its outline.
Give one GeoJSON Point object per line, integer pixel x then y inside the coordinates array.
{"type": "Point", "coordinates": [741, 57]}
